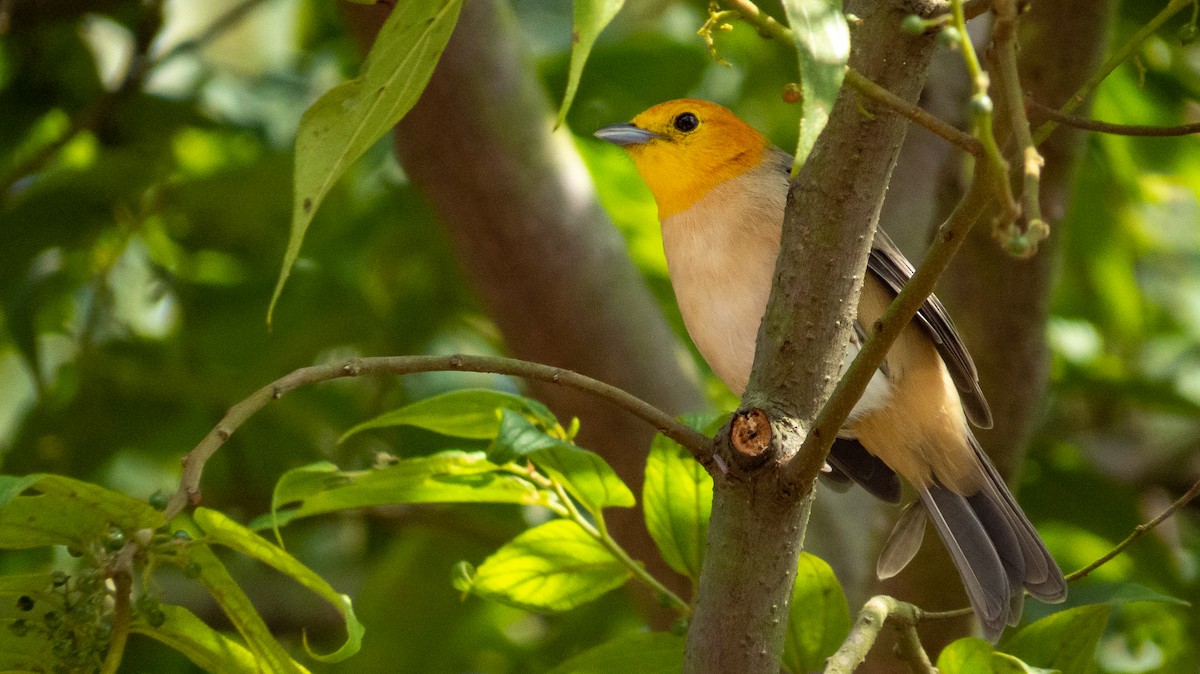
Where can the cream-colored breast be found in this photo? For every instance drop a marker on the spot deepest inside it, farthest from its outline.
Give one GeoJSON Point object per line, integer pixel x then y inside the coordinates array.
{"type": "Point", "coordinates": [721, 256]}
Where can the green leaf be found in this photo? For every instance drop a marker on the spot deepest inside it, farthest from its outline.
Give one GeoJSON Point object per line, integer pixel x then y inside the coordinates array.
{"type": "Point", "coordinates": [268, 654]}
{"type": "Point", "coordinates": [336, 130]}
{"type": "Point", "coordinates": [517, 438]}
{"type": "Point", "coordinates": [976, 656]}
{"type": "Point", "coordinates": [550, 568]}
{"type": "Point", "coordinates": [819, 618]}
{"type": "Point", "coordinates": [207, 648]}
{"type": "Point", "coordinates": [446, 477]}
{"type": "Point", "coordinates": [38, 510]}
{"type": "Point", "coordinates": [823, 45]}
{"type": "Point", "coordinates": [638, 653]}
{"type": "Point", "coordinates": [677, 499]}
{"type": "Point", "coordinates": [591, 16]}
{"type": "Point", "coordinates": [585, 475]}
{"type": "Point", "coordinates": [29, 651]}
{"type": "Point", "coordinates": [221, 530]}
{"type": "Point", "coordinates": [1120, 593]}
{"type": "Point", "coordinates": [1065, 641]}
{"type": "Point", "coordinates": [469, 413]}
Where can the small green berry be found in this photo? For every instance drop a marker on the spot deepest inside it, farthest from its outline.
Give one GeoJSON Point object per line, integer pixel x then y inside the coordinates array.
{"type": "Point", "coordinates": [949, 37]}
{"type": "Point", "coordinates": [158, 500]}
{"type": "Point", "coordinates": [156, 617]}
{"type": "Point", "coordinates": [115, 540]}
{"type": "Point", "coordinates": [679, 627]}
{"type": "Point", "coordinates": [1187, 33]}
{"type": "Point", "coordinates": [181, 535]}
{"type": "Point", "coordinates": [913, 25]}
{"type": "Point", "coordinates": [981, 104]}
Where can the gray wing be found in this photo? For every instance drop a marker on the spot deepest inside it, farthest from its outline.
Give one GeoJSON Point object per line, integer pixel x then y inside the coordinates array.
{"type": "Point", "coordinates": [890, 265]}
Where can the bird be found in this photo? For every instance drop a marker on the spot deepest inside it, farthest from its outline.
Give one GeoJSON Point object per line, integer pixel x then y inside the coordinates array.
{"type": "Point", "coordinates": [721, 188]}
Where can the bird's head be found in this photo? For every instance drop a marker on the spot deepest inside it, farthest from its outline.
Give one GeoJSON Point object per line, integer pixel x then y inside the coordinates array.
{"type": "Point", "coordinates": [684, 148]}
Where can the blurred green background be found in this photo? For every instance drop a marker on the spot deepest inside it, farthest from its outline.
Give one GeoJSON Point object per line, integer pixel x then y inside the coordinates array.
{"type": "Point", "coordinates": [142, 229]}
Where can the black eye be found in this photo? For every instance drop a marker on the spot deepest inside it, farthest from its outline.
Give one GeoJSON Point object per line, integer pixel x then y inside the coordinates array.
{"type": "Point", "coordinates": [686, 122]}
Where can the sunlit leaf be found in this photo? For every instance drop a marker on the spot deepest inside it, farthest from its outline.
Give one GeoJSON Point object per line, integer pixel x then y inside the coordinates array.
{"type": "Point", "coordinates": [972, 655]}
{"type": "Point", "coordinates": [591, 16]}
{"type": "Point", "coordinates": [446, 477]}
{"type": "Point", "coordinates": [236, 605]}
{"type": "Point", "coordinates": [469, 413]}
{"type": "Point", "coordinates": [337, 129]}
{"type": "Point", "coordinates": [819, 618]}
{"type": "Point", "coordinates": [677, 500]}
{"type": "Point", "coordinates": [1064, 641]}
{"type": "Point", "coordinates": [57, 510]}
{"type": "Point", "coordinates": [550, 568]}
{"type": "Point", "coordinates": [207, 648]}
{"type": "Point", "coordinates": [220, 530]}
{"type": "Point", "coordinates": [638, 653]}
{"type": "Point", "coordinates": [823, 45]}
{"type": "Point", "coordinates": [586, 476]}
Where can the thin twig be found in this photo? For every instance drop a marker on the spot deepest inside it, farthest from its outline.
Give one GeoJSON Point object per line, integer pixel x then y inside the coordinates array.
{"type": "Point", "coordinates": [122, 577]}
{"type": "Point", "coordinates": [910, 650]}
{"type": "Point", "coordinates": [1138, 531]}
{"type": "Point", "coordinates": [193, 463]}
{"type": "Point", "coordinates": [1117, 58]}
{"type": "Point", "coordinates": [981, 110]}
{"type": "Point", "coordinates": [850, 387]}
{"type": "Point", "coordinates": [1114, 129]}
{"type": "Point", "coordinates": [1021, 241]}
{"type": "Point", "coordinates": [867, 87]}
{"type": "Point", "coordinates": [864, 85]}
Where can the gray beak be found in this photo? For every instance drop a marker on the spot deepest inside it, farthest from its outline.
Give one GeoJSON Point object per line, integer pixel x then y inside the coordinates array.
{"type": "Point", "coordinates": [625, 134]}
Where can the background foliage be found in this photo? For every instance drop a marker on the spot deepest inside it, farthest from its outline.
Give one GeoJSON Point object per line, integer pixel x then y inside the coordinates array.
{"type": "Point", "coordinates": [138, 258]}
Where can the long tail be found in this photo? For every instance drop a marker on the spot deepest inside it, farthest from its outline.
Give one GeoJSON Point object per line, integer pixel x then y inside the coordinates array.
{"type": "Point", "coordinates": [997, 551]}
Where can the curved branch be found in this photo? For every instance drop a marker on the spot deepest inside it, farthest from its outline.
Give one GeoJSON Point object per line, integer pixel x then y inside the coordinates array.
{"type": "Point", "coordinates": [877, 612]}
{"type": "Point", "coordinates": [194, 461]}
{"type": "Point", "coordinates": [1138, 531]}
{"type": "Point", "coordinates": [1114, 129]}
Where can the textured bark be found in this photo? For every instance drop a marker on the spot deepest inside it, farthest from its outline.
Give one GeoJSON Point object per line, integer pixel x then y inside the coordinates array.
{"type": "Point", "coordinates": [543, 258]}
{"type": "Point", "coordinates": [758, 521]}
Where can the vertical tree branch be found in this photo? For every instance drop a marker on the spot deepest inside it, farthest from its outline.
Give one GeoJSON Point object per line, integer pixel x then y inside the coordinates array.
{"type": "Point", "coordinates": [759, 515]}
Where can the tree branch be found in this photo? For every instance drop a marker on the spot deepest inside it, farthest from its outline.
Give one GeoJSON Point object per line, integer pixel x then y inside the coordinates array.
{"type": "Point", "coordinates": [195, 460]}
{"type": "Point", "coordinates": [877, 612]}
{"type": "Point", "coordinates": [1114, 129]}
{"type": "Point", "coordinates": [1138, 531]}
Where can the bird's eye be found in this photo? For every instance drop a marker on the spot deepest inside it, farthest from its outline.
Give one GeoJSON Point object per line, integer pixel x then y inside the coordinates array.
{"type": "Point", "coordinates": [686, 122]}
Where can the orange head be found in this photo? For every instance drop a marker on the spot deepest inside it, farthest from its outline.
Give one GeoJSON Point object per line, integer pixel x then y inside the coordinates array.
{"type": "Point", "coordinates": [684, 148]}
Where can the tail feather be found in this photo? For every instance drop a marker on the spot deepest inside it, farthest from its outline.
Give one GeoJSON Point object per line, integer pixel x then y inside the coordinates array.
{"type": "Point", "coordinates": [970, 546]}
{"type": "Point", "coordinates": [997, 551]}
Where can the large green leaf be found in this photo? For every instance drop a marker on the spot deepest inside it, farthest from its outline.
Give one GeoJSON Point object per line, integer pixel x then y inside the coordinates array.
{"type": "Point", "coordinates": [823, 46]}
{"type": "Point", "coordinates": [38, 510]}
{"type": "Point", "coordinates": [446, 477]}
{"type": "Point", "coordinates": [208, 648]}
{"type": "Point", "coordinates": [638, 653]}
{"type": "Point", "coordinates": [267, 652]}
{"type": "Point", "coordinates": [819, 618]}
{"type": "Point", "coordinates": [1065, 641]}
{"type": "Point", "coordinates": [591, 16]}
{"type": "Point", "coordinates": [221, 530]}
{"type": "Point", "coordinates": [337, 129]}
{"type": "Point", "coordinates": [469, 413]}
{"type": "Point", "coordinates": [972, 655]}
{"type": "Point", "coordinates": [550, 568]}
{"type": "Point", "coordinates": [677, 499]}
